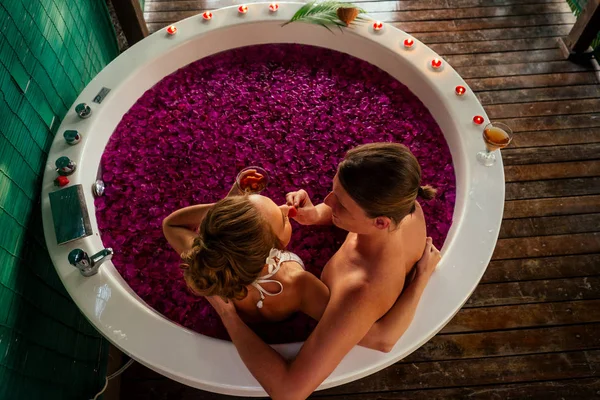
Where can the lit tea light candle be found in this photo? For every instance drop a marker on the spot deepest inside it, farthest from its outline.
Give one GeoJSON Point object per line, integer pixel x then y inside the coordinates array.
{"type": "Point", "coordinates": [243, 9]}
{"type": "Point", "coordinates": [460, 90]}
{"type": "Point", "coordinates": [409, 43]}
{"type": "Point", "coordinates": [478, 119]}
{"type": "Point", "coordinates": [207, 15]}
{"type": "Point", "coordinates": [273, 7]}
{"type": "Point", "coordinates": [436, 63]}
{"type": "Point", "coordinates": [172, 29]}
{"type": "Point", "coordinates": [377, 26]}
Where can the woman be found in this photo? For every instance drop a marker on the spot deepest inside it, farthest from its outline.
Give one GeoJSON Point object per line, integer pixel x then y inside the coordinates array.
{"type": "Point", "coordinates": [235, 249]}
{"type": "Point", "coordinates": [374, 198]}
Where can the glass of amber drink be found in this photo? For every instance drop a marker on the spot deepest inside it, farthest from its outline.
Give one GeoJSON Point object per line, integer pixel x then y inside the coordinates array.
{"type": "Point", "coordinates": [252, 180]}
{"type": "Point", "coordinates": [496, 136]}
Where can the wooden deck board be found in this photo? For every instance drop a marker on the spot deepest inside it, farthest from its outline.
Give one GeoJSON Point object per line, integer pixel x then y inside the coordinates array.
{"type": "Point", "coordinates": [548, 154]}
{"type": "Point", "coordinates": [556, 81]}
{"type": "Point", "coordinates": [531, 328]}
{"type": "Point", "coordinates": [534, 172]}
{"type": "Point", "coordinates": [538, 291]}
{"type": "Point", "coordinates": [542, 268]}
{"type": "Point", "coordinates": [500, 96]}
{"type": "Point", "coordinates": [513, 342]}
{"type": "Point", "coordinates": [500, 58]}
{"type": "Point", "coordinates": [570, 389]}
{"type": "Point", "coordinates": [495, 34]}
{"type": "Point", "coordinates": [524, 316]}
{"type": "Point", "coordinates": [565, 107]}
{"type": "Point", "coordinates": [485, 371]}
{"type": "Point", "coordinates": [554, 206]}
{"type": "Point", "coordinates": [543, 246]}
{"type": "Point", "coordinates": [553, 188]}
{"type": "Point", "coordinates": [542, 226]}
{"type": "Point", "coordinates": [555, 137]}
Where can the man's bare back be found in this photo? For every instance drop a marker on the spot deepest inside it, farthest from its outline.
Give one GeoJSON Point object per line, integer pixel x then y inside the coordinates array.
{"type": "Point", "coordinates": [384, 272]}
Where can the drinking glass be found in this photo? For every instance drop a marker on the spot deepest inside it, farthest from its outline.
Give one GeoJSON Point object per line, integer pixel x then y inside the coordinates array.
{"type": "Point", "coordinates": [496, 136]}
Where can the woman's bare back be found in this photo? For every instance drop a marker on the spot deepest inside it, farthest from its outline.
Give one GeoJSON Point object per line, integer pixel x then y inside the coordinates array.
{"type": "Point", "coordinates": [302, 291]}
{"type": "Point", "coordinates": [275, 308]}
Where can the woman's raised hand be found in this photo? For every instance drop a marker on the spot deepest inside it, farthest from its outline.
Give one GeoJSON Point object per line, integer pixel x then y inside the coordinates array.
{"type": "Point", "coordinates": [429, 260]}
{"type": "Point", "coordinates": [306, 211]}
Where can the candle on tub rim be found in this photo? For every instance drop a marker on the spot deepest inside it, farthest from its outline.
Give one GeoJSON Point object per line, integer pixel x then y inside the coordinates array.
{"type": "Point", "coordinates": [409, 43]}
{"type": "Point", "coordinates": [436, 63]}
{"type": "Point", "coordinates": [171, 29]}
{"type": "Point", "coordinates": [377, 26]}
{"type": "Point", "coordinates": [207, 15]}
{"type": "Point", "coordinates": [460, 90]}
{"type": "Point", "coordinates": [243, 9]}
{"type": "Point", "coordinates": [273, 7]}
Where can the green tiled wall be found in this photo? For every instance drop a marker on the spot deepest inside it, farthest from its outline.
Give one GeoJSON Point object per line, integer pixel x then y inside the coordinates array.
{"type": "Point", "coordinates": [49, 51]}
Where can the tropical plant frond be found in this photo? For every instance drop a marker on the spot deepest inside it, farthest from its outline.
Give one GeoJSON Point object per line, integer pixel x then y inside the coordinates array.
{"type": "Point", "coordinates": [323, 13]}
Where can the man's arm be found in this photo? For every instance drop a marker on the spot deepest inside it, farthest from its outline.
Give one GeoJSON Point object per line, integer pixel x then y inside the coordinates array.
{"type": "Point", "coordinates": [384, 333]}
{"type": "Point", "coordinates": [340, 329]}
{"type": "Point", "coordinates": [324, 214]}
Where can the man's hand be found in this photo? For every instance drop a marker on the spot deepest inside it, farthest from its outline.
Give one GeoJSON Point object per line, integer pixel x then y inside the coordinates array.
{"type": "Point", "coordinates": [298, 199]}
{"type": "Point", "coordinates": [429, 260]}
{"type": "Point", "coordinates": [307, 213]}
{"type": "Point", "coordinates": [221, 307]}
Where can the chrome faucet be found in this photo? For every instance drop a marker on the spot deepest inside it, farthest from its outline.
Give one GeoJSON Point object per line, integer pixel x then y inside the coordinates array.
{"type": "Point", "coordinates": [87, 265]}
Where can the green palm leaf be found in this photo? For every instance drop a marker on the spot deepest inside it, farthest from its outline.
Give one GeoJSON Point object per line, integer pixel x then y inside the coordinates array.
{"type": "Point", "coordinates": [323, 13]}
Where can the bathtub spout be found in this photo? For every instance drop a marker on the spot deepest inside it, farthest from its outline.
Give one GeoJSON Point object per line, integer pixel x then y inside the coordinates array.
{"type": "Point", "coordinates": [87, 265]}
{"type": "Point", "coordinates": [102, 256]}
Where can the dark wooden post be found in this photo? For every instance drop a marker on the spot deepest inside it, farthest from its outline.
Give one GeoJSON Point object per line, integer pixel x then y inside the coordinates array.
{"type": "Point", "coordinates": [576, 45]}
{"type": "Point", "coordinates": [131, 18]}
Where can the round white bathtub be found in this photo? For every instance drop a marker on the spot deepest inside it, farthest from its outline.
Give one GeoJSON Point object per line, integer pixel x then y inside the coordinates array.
{"type": "Point", "coordinates": [212, 364]}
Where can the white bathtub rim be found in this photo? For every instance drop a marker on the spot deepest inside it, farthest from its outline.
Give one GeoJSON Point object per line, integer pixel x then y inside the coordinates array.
{"type": "Point", "coordinates": [73, 282]}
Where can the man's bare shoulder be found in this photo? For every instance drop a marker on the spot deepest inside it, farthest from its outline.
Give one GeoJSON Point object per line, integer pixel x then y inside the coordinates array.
{"type": "Point", "coordinates": [360, 284]}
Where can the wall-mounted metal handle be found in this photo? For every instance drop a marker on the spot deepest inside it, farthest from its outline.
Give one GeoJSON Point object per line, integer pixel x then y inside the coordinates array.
{"type": "Point", "coordinates": [87, 265]}
{"type": "Point", "coordinates": [83, 110]}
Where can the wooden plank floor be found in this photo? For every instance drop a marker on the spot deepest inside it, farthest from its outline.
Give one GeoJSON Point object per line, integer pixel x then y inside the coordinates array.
{"type": "Point", "coordinates": [532, 327]}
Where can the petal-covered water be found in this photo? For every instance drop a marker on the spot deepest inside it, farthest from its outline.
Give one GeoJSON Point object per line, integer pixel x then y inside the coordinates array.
{"type": "Point", "coordinates": [292, 109]}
